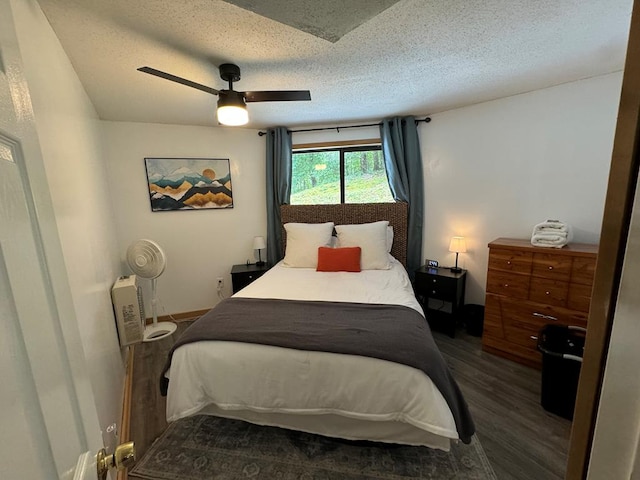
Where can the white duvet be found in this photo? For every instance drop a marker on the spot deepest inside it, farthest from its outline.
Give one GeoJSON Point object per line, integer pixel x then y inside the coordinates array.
{"type": "Point", "coordinates": [338, 395]}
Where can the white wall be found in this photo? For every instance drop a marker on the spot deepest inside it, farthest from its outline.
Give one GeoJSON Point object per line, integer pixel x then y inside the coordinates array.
{"type": "Point", "coordinates": [68, 129]}
{"type": "Point", "coordinates": [498, 168]}
{"type": "Point", "coordinates": [200, 245]}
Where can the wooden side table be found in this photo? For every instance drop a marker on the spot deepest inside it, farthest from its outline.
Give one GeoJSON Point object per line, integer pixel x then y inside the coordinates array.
{"type": "Point", "coordinates": [440, 283]}
{"type": "Point", "coordinates": [243, 274]}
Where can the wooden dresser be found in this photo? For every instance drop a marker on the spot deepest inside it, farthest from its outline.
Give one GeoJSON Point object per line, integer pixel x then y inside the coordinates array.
{"type": "Point", "coordinates": [529, 287]}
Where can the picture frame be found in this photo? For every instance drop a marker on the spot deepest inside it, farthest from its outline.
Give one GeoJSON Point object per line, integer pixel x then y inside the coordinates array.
{"type": "Point", "coordinates": [188, 183]}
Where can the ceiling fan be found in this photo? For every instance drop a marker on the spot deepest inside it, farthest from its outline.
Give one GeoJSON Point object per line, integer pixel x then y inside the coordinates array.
{"type": "Point", "coordinates": [232, 108]}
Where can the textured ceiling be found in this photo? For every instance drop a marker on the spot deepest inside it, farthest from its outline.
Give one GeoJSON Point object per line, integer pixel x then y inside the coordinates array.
{"type": "Point", "coordinates": [414, 57]}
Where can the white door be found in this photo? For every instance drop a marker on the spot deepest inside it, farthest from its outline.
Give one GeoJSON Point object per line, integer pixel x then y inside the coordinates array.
{"type": "Point", "coordinates": [47, 412]}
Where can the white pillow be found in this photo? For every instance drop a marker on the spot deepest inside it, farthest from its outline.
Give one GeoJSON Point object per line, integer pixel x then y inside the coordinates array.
{"type": "Point", "coordinates": [303, 240]}
{"type": "Point", "coordinates": [334, 240]}
{"type": "Point", "coordinates": [372, 239]}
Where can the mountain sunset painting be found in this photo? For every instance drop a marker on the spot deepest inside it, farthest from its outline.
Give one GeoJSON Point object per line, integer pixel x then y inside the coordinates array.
{"type": "Point", "coordinates": [188, 183]}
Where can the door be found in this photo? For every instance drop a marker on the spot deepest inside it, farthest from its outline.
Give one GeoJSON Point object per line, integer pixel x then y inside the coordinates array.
{"type": "Point", "coordinates": [47, 411]}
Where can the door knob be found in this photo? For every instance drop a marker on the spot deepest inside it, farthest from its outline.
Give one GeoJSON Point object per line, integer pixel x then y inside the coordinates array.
{"type": "Point", "coordinates": [123, 457]}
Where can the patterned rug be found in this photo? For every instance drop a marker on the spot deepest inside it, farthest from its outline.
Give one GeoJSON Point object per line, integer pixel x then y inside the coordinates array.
{"type": "Point", "coordinates": [205, 447]}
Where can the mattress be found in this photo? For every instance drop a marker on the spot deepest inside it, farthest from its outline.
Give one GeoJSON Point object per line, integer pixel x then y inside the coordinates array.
{"type": "Point", "coordinates": [345, 396]}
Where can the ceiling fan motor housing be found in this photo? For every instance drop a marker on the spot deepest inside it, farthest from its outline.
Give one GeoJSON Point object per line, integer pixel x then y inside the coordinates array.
{"type": "Point", "coordinates": [229, 72]}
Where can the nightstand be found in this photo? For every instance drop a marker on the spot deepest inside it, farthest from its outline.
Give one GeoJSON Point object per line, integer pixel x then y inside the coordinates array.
{"type": "Point", "coordinates": [443, 287]}
{"type": "Point", "coordinates": [243, 274]}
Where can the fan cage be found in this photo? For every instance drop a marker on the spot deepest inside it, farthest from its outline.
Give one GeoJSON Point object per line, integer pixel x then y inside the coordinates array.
{"type": "Point", "coordinates": [146, 258]}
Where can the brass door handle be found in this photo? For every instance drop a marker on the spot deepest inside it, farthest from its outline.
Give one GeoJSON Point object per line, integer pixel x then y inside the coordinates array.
{"type": "Point", "coordinates": [123, 457]}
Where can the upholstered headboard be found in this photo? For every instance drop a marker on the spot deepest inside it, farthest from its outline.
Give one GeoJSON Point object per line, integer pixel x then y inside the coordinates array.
{"type": "Point", "coordinates": [351, 213]}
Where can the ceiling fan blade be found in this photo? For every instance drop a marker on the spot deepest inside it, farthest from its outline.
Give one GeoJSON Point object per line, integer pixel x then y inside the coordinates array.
{"type": "Point", "coordinates": [174, 78]}
{"type": "Point", "coordinates": [277, 96]}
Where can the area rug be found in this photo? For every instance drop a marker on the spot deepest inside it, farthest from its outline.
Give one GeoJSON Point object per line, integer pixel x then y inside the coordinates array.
{"type": "Point", "coordinates": [207, 447]}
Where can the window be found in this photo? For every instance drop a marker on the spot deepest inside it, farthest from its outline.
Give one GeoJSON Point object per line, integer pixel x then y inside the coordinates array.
{"type": "Point", "coordinates": [339, 175]}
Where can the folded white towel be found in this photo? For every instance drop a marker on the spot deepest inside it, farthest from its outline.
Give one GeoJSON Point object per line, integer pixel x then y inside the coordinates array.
{"type": "Point", "coordinates": [564, 230]}
{"type": "Point", "coordinates": [549, 240]}
{"type": "Point", "coordinates": [551, 224]}
{"type": "Point", "coordinates": [553, 227]}
{"type": "Point", "coordinates": [552, 233]}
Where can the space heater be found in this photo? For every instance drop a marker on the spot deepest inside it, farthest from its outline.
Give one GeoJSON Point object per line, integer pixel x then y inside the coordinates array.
{"type": "Point", "coordinates": [129, 310]}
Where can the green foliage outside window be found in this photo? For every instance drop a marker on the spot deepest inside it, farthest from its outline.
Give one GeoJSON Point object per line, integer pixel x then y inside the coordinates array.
{"type": "Point", "coordinates": [316, 176]}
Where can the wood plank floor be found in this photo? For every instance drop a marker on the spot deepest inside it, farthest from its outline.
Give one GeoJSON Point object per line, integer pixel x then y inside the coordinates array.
{"type": "Point", "coordinates": [522, 441]}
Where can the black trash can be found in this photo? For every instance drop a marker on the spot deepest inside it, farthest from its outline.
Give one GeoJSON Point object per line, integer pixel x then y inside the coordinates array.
{"type": "Point", "coordinates": [562, 350]}
{"type": "Point", "coordinates": [473, 316]}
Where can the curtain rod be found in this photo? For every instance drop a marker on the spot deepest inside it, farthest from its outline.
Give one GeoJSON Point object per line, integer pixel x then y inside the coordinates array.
{"type": "Point", "coordinates": [337, 129]}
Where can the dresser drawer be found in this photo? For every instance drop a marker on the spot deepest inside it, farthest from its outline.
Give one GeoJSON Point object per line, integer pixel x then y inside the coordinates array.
{"type": "Point", "coordinates": [524, 334]}
{"type": "Point", "coordinates": [527, 353]}
{"type": "Point", "coordinates": [583, 270]}
{"type": "Point", "coordinates": [508, 284]}
{"type": "Point", "coordinates": [551, 292]}
{"type": "Point", "coordinates": [438, 287]}
{"type": "Point", "coordinates": [553, 266]}
{"type": "Point", "coordinates": [537, 315]}
{"type": "Point", "coordinates": [510, 260]}
{"type": "Point", "coordinates": [492, 317]}
{"type": "Point", "coordinates": [579, 297]}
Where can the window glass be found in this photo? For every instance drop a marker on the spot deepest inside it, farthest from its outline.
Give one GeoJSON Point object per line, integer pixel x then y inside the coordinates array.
{"type": "Point", "coordinates": [339, 175]}
{"type": "Point", "coordinates": [315, 178]}
{"type": "Point", "coordinates": [365, 177]}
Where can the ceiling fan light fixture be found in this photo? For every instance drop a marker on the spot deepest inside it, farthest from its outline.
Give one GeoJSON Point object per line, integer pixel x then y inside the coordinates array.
{"type": "Point", "coordinates": [232, 106]}
{"type": "Point", "coordinates": [232, 110]}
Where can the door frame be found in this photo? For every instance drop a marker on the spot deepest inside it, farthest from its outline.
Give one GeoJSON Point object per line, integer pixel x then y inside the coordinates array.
{"type": "Point", "coordinates": [621, 191]}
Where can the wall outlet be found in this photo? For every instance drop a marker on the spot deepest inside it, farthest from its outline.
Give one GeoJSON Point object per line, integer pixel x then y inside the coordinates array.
{"type": "Point", "coordinates": [220, 283]}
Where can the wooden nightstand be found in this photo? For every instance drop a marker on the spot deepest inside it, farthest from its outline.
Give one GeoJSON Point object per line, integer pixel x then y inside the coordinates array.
{"type": "Point", "coordinates": [443, 285]}
{"type": "Point", "coordinates": [242, 275]}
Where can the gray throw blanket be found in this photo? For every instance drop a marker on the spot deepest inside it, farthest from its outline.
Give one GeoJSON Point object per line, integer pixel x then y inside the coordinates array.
{"type": "Point", "coordinates": [389, 332]}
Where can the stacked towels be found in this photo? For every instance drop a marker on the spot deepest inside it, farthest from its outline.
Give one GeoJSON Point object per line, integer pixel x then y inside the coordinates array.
{"type": "Point", "coordinates": [552, 233]}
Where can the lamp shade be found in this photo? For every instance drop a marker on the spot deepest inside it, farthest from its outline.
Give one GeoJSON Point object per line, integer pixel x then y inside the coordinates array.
{"type": "Point", "coordinates": [232, 110]}
{"type": "Point", "coordinates": [458, 245]}
{"type": "Point", "coordinates": [259, 243]}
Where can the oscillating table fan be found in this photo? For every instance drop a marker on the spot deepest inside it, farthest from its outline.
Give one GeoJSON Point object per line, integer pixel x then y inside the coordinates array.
{"type": "Point", "coordinates": [147, 260]}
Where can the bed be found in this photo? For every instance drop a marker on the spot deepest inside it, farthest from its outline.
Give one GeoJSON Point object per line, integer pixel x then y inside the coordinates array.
{"type": "Point", "coordinates": [300, 348]}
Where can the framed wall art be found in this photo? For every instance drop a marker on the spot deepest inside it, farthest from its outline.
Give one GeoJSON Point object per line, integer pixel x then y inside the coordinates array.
{"type": "Point", "coordinates": [189, 183]}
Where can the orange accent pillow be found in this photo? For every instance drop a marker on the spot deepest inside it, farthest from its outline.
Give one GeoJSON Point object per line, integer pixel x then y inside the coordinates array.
{"type": "Point", "coordinates": [346, 259]}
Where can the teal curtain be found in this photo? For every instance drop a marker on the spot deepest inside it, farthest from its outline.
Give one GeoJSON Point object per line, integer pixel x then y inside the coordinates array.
{"type": "Point", "coordinates": [403, 161]}
{"type": "Point", "coordinates": [278, 187]}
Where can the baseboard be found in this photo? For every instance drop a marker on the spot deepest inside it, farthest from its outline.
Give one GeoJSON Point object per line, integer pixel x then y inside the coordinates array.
{"type": "Point", "coordinates": [125, 421]}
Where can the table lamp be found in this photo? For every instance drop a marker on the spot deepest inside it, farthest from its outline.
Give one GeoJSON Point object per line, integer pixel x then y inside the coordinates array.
{"type": "Point", "coordinates": [457, 245]}
{"type": "Point", "coordinates": [259, 244]}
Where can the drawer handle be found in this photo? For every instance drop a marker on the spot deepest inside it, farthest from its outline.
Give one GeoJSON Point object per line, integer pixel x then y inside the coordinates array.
{"type": "Point", "coordinates": [550, 267]}
{"type": "Point", "coordinates": [434, 280]}
{"type": "Point", "coordinates": [506, 285]}
{"type": "Point", "coordinates": [508, 262]}
{"type": "Point", "coordinates": [533, 337]}
{"type": "Point", "coordinates": [547, 293]}
{"type": "Point", "coordinates": [433, 291]}
{"type": "Point", "coordinates": [546, 317]}
{"type": "Point", "coordinates": [250, 277]}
